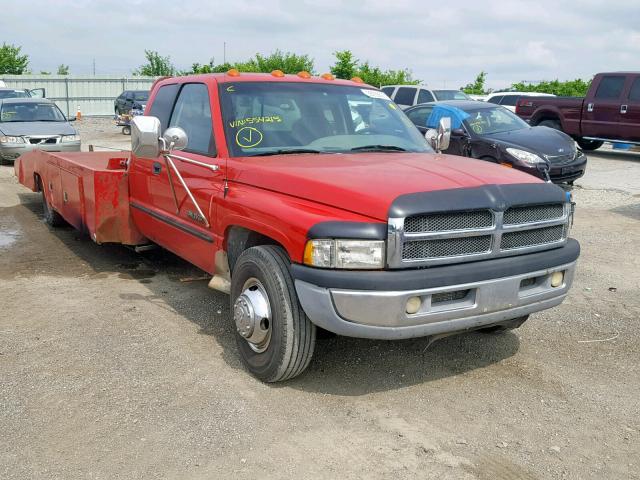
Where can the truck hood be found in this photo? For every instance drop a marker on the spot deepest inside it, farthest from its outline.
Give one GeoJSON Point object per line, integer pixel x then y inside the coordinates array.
{"type": "Point", "coordinates": [367, 183]}
{"type": "Point", "coordinates": [540, 140]}
{"type": "Point", "coordinates": [36, 128]}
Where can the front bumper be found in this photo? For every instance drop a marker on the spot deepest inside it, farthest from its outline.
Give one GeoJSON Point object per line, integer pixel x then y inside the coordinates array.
{"type": "Point", "coordinates": [568, 172]}
{"type": "Point", "coordinates": [11, 151]}
{"type": "Point", "coordinates": [504, 294]}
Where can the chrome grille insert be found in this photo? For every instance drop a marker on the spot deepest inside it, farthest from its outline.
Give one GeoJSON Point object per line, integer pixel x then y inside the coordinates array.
{"type": "Point", "coordinates": [536, 236]}
{"type": "Point", "coordinates": [447, 247]}
{"type": "Point", "coordinates": [453, 237]}
{"type": "Point", "coordinates": [442, 222]}
{"type": "Point", "coordinates": [535, 213]}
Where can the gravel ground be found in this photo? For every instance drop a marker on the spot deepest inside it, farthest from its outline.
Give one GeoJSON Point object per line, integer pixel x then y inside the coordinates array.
{"type": "Point", "coordinates": [112, 367]}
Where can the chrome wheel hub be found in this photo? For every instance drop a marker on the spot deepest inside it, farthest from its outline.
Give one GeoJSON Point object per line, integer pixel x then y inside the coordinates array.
{"type": "Point", "coordinates": [252, 314]}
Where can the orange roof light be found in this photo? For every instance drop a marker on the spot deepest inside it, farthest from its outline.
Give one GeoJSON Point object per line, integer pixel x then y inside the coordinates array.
{"type": "Point", "coordinates": [357, 80]}
{"type": "Point", "coordinates": [232, 72]}
{"type": "Point", "coordinates": [327, 76]}
{"type": "Point", "coordinates": [277, 73]}
{"type": "Point", "coordinates": [304, 74]}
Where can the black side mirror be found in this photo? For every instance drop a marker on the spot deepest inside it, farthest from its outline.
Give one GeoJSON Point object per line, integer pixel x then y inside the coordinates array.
{"type": "Point", "coordinates": [458, 132]}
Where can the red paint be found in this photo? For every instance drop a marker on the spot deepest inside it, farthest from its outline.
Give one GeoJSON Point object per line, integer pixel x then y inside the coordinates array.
{"type": "Point", "coordinates": [280, 197]}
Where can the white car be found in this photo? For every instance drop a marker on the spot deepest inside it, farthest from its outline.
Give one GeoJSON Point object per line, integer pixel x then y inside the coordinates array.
{"type": "Point", "coordinates": [509, 99]}
{"type": "Point", "coordinates": [407, 96]}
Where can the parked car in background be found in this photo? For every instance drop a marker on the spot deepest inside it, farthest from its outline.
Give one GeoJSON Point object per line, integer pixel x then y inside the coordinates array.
{"type": "Point", "coordinates": [406, 96]}
{"type": "Point", "coordinates": [490, 132]}
{"type": "Point", "coordinates": [34, 123]}
{"type": "Point", "coordinates": [480, 98]}
{"type": "Point", "coordinates": [509, 99]}
{"type": "Point", "coordinates": [131, 100]}
{"type": "Point", "coordinates": [609, 112]}
{"type": "Point", "coordinates": [18, 93]}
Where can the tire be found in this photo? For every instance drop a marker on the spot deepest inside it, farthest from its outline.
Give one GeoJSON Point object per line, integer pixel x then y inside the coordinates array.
{"type": "Point", "coordinates": [506, 326]}
{"type": "Point", "coordinates": [51, 217]}
{"type": "Point", "coordinates": [126, 130]}
{"type": "Point", "coordinates": [589, 145]}
{"type": "Point", "coordinates": [286, 350]}
{"type": "Point", "coordinates": [551, 124]}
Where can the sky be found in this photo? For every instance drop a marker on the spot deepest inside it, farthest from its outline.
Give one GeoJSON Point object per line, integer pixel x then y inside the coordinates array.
{"type": "Point", "coordinates": [443, 44]}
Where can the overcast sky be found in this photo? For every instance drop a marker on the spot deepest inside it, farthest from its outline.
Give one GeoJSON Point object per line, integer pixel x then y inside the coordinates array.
{"type": "Point", "coordinates": [443, 43]}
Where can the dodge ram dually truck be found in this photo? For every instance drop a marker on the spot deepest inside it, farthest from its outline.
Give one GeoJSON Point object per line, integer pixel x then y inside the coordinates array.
{"type": "Point", "coordinates": [315, 202]}
{"type": "Point", "coordinates": [609, 112]}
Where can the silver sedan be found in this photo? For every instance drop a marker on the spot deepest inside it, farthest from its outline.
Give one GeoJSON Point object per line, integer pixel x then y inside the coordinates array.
{"type": "Point", "coordinates": [34, 123]}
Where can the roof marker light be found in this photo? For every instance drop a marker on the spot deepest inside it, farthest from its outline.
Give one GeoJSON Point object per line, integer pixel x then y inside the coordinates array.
{"type": "Point", "coordinates": [232, 72]}
{"type": "Point", "coordinates": [357, 80]}
{"type": "Point", "coordinates": [277, 73]}
{"type": "Point", "coordinates": [327, 76]}
{"type": "Point", "coordinates": [304, 74]}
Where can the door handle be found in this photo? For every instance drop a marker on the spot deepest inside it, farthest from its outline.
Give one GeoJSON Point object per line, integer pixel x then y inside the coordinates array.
{"type": "Point", "coordinates": [590, 107]}
{"type": "Point", "coordinates": [623, 108]}
{"type": "Point", "coordinates": [157, 168]}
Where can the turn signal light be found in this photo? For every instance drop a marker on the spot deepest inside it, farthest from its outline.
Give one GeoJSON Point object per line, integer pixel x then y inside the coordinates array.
{"type": "Point", "coordinates": [277, 73]}
{"type": "Point", "coordinates": [508, 165]}
{"type": "Point", "coordinates": [232, 72]}
{"type": "Point", "coordinates": [327, 76]}
{"type": "Point", "coordinates": [304, 74]}
{"type": "Point", "coordinates": [357, 80]}
{"type": "Point", "coordinates": [557, 278]}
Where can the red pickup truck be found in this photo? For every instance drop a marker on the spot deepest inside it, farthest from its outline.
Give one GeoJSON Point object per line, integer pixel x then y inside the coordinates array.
{"type": "Point", "coordinates": [609, 112]}
{"type": "Point", "coordinates": [315, 203]}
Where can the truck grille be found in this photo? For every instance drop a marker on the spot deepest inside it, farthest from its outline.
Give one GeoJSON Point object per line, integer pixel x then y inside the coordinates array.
{"type": "Point", "coordinates": [452, 237]}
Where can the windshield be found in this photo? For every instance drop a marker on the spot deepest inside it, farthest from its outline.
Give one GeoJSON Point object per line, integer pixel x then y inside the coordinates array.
{"type": "Point", "coordinates": [487, 121]}
{"type": "Point", "coordinates": [141, 96]}
{"type": "Point", "coordinates": [31, 112]}
{"type": "Point", "coordinates": [14, 94]}
{"type": "Point", "coordinates": [450, 95]}
{"type": "Point", "coordinates": [262, 118]}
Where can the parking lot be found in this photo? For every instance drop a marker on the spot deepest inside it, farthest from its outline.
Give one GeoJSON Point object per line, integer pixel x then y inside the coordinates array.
{"type": "Point", "coordinates": [115, 364]}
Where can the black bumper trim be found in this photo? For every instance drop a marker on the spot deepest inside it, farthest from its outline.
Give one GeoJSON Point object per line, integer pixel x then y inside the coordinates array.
{"type": "Point", "coordinates": [410, 279]}
{"type": "Point", "coordinates": [349, 230]}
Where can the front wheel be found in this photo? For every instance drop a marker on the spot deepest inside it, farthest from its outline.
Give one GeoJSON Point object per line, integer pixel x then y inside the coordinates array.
{"type": "Point", "coordinates": [274, 336]}
{"type": "Point", "coordinates": [589, 144]}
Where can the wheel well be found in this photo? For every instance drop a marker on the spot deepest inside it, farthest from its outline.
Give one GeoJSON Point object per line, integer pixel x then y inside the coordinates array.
{"type": "Point", "coordinates": [239, 239]}
{"type": "Point", "coordinates": [546, 116]}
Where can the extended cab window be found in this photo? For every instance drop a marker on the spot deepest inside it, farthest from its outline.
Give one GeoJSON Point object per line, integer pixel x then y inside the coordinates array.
{"type": "Point", "coordinates": [425, 96]}
{"type": "Point", "coordinates": [405, 96]}
{"type": "Point", "coordinates": [192, 113]}
{"type": "Point", "coordinates": [634, 93]}
{"type": "Point", "coordinates": [163, 103]}
{"type": "Point", "coordinates": [496, 99]}
{"type": "Point", "coordinates": [510, 100]}
{"type": "Point", "coordinates": [610, 87]}
{"type": "Point", "coordinates": [267, 118]}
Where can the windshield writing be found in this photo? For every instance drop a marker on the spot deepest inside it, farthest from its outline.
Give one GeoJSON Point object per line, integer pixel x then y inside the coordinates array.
{"type": "Point", "coordinates": [493, 120]}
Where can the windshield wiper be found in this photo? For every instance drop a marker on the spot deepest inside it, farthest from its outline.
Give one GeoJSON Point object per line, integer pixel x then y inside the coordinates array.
{"type": "Point", "coordinates": [286, 151]}
{"type": "Point", "coordinates": [378, 148]}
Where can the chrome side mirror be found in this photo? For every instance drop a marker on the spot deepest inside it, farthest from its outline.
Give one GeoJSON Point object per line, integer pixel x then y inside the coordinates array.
{"type": "Point", "coordinates": [145, 135]}
{"type": "Point", "coordinates": [175, 138]}
{"type": "Point", "coordinates": [439, 139]}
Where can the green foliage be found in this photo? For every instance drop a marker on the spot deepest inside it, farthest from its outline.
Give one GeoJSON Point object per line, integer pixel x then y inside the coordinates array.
{"type": "Point", "coordinates": [347, 67]}
{"type": "Point", "coordinates": [42, 72]}
{"type": "Point", "coordinates": [156, 66]}
{"type": "Point", "coordinates": [11, 62]}
{"type": "Point", "coordinates": [571, 88]}
{"type": "Point", "coordinates": [477, 87]}
{"type": "Point", "coordinates": [278, 60]}
{"type": "Point", "coordinates": [63, 69]}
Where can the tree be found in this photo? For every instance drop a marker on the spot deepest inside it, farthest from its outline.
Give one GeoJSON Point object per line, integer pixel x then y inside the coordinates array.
{"type": "Point", "coordinates": [156, 66]}
{"type": "Point", "coordinates": [63, 69]}
{"type": "Point", "coordinates": [287, 62]}
{"type": "Point", "coordinates": [345, 66]}
{"type": "Point", "coordinates": [477, 87]}
{"type": "Point", "coordinates": [570, 88]}
{"type": "Point", "coordinates": [11, 62]}
{"type": "Point", "coordinates": [44, 72]}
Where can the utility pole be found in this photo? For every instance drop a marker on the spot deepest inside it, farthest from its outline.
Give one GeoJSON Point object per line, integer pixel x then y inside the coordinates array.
{"type": "Point", "coordinates": [94, 67]}
{"type": "Point", "coordinates": [224, 52]}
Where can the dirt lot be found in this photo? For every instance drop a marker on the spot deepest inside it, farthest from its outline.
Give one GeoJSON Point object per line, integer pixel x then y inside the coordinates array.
{"type": "Point", "coordinates": [112, 367]}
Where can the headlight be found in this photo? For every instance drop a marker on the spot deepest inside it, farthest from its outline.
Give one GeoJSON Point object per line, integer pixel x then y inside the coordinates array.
{"type": "Point", "coordinates": [70, 138]}
{"type": "Point", "coordinates": [345, 254]}
{"type": "Point", "coordinates": [11, 140]}
{"type": "Point", "coordinates": [524, 156]}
